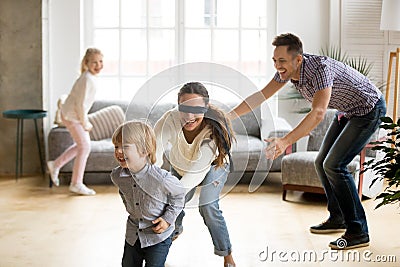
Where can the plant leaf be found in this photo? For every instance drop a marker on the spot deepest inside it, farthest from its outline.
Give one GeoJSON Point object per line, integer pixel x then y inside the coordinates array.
{"type": "Point", "coordinates": [386, 120]}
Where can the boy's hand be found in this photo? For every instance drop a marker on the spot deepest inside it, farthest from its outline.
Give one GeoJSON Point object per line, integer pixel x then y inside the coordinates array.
{"type": "Point", "coordinates": [160, 225]}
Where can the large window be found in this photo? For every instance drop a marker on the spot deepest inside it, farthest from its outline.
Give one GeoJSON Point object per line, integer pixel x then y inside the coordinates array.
{"type": "Point", "coordinates": [140, 38]}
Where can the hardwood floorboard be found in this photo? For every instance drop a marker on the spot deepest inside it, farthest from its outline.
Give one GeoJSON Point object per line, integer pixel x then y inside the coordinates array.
{"type": "Point", "coordinates": [40, 226]}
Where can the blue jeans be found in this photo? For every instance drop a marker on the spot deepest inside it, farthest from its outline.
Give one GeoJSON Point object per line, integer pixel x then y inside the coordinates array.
{"type": "Point", "coordinates": [211, 188]}
{"type": "Point", "coordinates": [343, 141]}
{"type": "Point", "coordinates": [154, 256]}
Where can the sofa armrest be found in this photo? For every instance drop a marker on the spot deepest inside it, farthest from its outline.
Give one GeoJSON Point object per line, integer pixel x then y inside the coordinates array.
{"type": "Point", "coordinates": [277, 127]}
{"type": "Point", "coordinates": [59, 139]}
{"type": "Point", "coordinates": [274, 125]}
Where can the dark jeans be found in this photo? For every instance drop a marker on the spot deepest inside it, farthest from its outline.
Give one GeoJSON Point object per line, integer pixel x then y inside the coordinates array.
{"type": "Point", "coordinates": [343, 141]}
{"type": "Point", "coordinates": [153, 256]}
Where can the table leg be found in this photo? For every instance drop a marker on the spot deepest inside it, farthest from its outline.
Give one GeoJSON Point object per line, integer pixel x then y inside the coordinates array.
{"type": "Point", "coordinates": [17, 152]}
{"type": "Point", "coordinates": [21, 146]}
{"type": "Point", "coordinates": [18, 160]}
{"type": "Point", "coordinates": [39, 149]}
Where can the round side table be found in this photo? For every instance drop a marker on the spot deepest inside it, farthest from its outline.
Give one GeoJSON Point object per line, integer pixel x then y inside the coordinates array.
{"type": "Point", "coordinates": [21, 115]}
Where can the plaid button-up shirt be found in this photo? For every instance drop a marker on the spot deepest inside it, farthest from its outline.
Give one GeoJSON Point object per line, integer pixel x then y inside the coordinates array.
{"type": "Point", "coordinates": [352, 93]}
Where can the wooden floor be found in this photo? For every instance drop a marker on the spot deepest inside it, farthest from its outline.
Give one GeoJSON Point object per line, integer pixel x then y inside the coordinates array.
{"type": "Point", "coordinates": [40, 227]}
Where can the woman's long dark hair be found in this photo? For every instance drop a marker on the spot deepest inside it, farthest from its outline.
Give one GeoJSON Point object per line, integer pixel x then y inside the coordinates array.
{"type": "Point", "coordinates": [221, 127]}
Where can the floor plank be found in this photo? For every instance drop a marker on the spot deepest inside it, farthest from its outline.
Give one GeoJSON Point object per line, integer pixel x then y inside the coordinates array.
{"type": "Point", "coordinates": [51, 227]}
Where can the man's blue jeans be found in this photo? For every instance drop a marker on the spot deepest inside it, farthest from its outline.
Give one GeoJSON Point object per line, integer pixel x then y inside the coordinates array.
{"type": "Point", "coordinates": [210, 190]}
{"type": "Point", "coordinates": [343, 141]}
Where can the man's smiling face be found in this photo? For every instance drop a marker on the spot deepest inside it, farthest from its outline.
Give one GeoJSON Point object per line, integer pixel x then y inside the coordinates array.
{"type": "Point", "coordinates": [287, 64]}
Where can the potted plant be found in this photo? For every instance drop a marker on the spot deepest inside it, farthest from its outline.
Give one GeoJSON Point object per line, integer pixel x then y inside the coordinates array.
{"type": "Point", "coordinates": [388, 168]}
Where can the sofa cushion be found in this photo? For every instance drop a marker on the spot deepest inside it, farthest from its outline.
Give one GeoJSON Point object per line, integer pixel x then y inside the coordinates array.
{"type": "Point", "coordinates": [105, 121]}
{"type": "Point", "coordinates": [248, 154]}
{"type": "Point", "coordinates": [299, 169]}
{"type": "Point", "coordinates": [148, 112]}
{"type": "Point", "coordinates": [101, 158]}
{"type": "Point", "coordinates": [100, 104]}
{"type": "Point", "coordinates": [248, 124]}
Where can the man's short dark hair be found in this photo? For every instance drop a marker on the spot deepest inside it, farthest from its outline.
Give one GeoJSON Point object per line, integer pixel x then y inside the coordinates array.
{"type": "Point", "coordinates": [291, 41]}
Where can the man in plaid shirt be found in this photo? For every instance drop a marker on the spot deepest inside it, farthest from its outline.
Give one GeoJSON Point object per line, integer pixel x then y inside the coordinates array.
{"type": "Point", "coordinates": [327, 83]}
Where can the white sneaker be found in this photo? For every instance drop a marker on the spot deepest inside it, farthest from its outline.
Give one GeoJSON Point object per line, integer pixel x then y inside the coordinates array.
{"type": "Point", "coordinates": [81, 189]}
{"type": "Point", "coordinates": [53, 173]}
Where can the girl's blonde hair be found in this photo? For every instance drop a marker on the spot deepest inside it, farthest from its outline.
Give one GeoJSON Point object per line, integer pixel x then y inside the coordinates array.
{"type": "Point", "coordinates": [139, 133]}
{"type": "Point", "coordinates": [85, 59]}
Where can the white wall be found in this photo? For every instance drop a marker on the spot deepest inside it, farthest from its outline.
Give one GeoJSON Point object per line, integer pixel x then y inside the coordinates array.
{"type": "Point", "coordinates": [309, 20]}
{"type": "Point", "coordinates": [64, 51]}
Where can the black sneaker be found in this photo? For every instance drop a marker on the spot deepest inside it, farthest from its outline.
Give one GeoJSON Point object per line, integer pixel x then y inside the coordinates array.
{"type": "Point", "coordinates": [328, 227]}
{"type": "Point", "coordinates": [348, 241]}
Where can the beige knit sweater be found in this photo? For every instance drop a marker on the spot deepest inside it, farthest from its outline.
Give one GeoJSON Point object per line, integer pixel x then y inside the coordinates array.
{"type": "Point", "coordinates": [191, 161]}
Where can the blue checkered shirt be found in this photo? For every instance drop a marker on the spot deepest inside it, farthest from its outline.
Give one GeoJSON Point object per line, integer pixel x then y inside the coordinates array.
{"type": "Point", "coordinates": [352, 93]}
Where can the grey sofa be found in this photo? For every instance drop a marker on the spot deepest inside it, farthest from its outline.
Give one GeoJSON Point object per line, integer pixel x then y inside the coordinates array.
{"type": "Point", "coordinates": [250, 163]}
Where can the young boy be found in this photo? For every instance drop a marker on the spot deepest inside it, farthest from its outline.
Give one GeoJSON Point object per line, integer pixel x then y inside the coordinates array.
{"type": "Point", "coordinates": [153, 197]}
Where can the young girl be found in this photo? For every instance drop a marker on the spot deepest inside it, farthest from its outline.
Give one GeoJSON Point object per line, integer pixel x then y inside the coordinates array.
{"type": "Point", "coordinates": [152, 196]}
{"type": "Point", "coordinates": [200, 139]}
{"type": "Point", "coordinates": [74, 116]}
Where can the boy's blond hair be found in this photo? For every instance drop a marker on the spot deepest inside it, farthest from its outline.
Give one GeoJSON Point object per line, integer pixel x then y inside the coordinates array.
{"type": "Point", "coordinates": [139, 133]}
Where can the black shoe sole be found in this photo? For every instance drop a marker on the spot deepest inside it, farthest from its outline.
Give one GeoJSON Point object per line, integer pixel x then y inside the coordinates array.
{"type": "Point", "coordinates": [335, 247]}
{"type": "Point", "coordinates": [327, 231]}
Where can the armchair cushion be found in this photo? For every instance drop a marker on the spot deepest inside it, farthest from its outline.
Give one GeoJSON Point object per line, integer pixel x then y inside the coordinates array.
{"type": "Point", "coordinates": [299, 169]}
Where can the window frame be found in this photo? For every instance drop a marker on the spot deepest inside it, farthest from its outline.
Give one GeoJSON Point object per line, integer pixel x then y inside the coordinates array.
{"type": "Point", "coordinates": [180, 30]}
